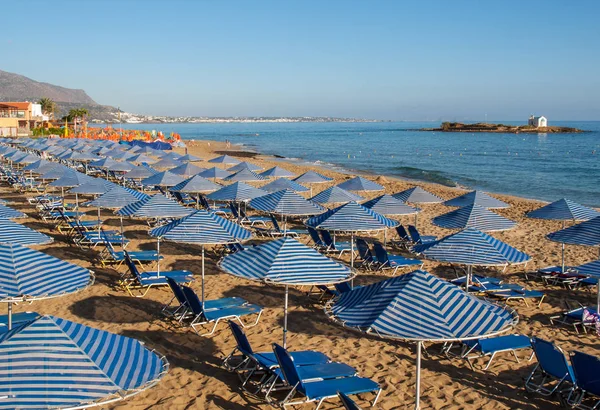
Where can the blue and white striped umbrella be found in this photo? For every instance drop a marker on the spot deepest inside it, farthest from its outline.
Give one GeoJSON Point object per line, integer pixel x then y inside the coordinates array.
{"type": "Point", "coordinates": [166, 163]}
{"type": "Point", "coordinates": [238, 192]}
{"type": "Point", "coordinates": [35, 166]}
{"type": "Point", "coordinates": [244, 165]}
{"type": "Point", "coordinates": [286, 202]}
{"type": "Point", "coordinates": [6, 212]}
{"type": "Point", "coordinates": [121, 166]}
{"type": "Point", "coordinates": [360, 184]}
{"type": "Point", "coordinates": [15, 233]}
{"type": "Point", "coordinates": [189, 158]}
{"type": "Point", "coordinates": [55, 172]}
{"type": "Point", "coordinates": [71, 179]}
{"type": "Point", "coordinates": [140, 172]}
{"type": "Point", "coordinates": [55, 363]}
{"type": "Point", "coordinates": [103, 163]}
{"type": "Point", "coordinates": [417, 195]}
{"type": "Point", "coordinates": [165, 178]}
{"type": "Point", "coordinates": [244, 175]}
{"type": "Point", "coordinates": [283, 183]}
{"type": "Point", "coordinates": [214, 173]}
{"type": "Point", "coordinates": [116, 198]}
{"type": "Point", "coordinates": [420, 307]}
{"type": "Point", "coordinates": [195, 184]}
{"type": "Point", "coordinates": [476, 217]}
{"type": "Point", "coordinates": [224, 159]}
{"type": "Point", "coordinates": [202, 227]}
{"type": "Point", "coordinates": [472, 247]}
{"type": "Point", "coordinates": [312, 177]}
{"type": "Point", "coordinates": [591, 269]}
{"type": "Point", "coordinates": [564, 210]}
{"type": "Point", "coordinates": [28, 159]}
{"type": "Point", "coordinates": [277, 172]}
{"type": "Point", "coordinates": [388, 205]}
{"type": "Point", "coordinates": [585, 233]}
{"type": "Point", "coordinates": [476, 197]}
{"type": "Point", "coordinates": [141, 158]}
{"type": "Point", "coordinates": [187, 170]}
{"type": "Point", "coordinates": [27, 274]}
{"type": "Point", "coordinates": [156, 206]}
{"type": "Point", "coordinates": [351, 217]}
{"type": "Point", "coordinates": [335, 195]}
{"type": "Point", "coordinates": [93, 186]}
{"type": "Point", "coordinates": [286, 262]}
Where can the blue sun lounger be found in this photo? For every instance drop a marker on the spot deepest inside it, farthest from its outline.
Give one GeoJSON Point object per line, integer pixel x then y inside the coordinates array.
{"type": "Point", "coordinates": [552, 372]}
{"type": "Point", "coordinates": [395, 262]}
{"type": "Point", "coordinates": [203, 316]}
{"type": "Point", "coordinates": [494, 345]}
{"type": "Point", "coordinates": [573, 317]}
{"type": "Point", "coordinates": [147, 280]}
{"type": "Point", "coordinates": [348, 402]}
{"type": "Point", "coordinates": [340, 247]}
{"type": "Point", "coordinates": [181, 310]}
{"type": "Point", "coordinates": [507, 292]}
{"type": "Point", "coordinates": [417, 237]}
{"type": "Point", "coordinates": [586, 390]}
{"type": "Point", "coordinates": [110, 255]}
{"type": "Point", "coordinates": [318, 390]}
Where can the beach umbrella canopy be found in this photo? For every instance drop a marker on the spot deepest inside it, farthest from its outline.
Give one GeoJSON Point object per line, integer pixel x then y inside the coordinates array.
{"type": "Point", "coordinates": [476, 197]}
{"type": "Point", "coordinates": [7, 212]}
{"type": "Point", "coordinates": [103, 163]}
{"type": "Point", "coordinates": [195, 185]}
{"type": "Point", "coordinates": [417, 195]}
{"type": "Point", "coordinates": [214, 173]}
{"type": "Point", "coordinates": [388, 205]}
{"type": "Point", "coordinates": [166, 163]}
{"type": "Point", "coordinates": [141, 158]}
{"type": "Point", "coordinates": [189, 158]}
{"type": "Point", "coordinates": [202, 228]}
{"type": "Point", "coordinates": [237, 192]}
{"type": "Point", "coordinates": [244, 175]}
{"type": "Point", "coordinates": [224, 159]}
{"type": "Point", "coordinates": [39, 166]}
{"type": "Point", "coordinates": [277, 172]}
{"type": "Point", "coordinates": [351, 217]}
{"type": "Point", "coordinates": [117, 197]}
{"type": "Point", "coordinates": [71, 179]}
{"type": "Point", "coordinates": [56, 363]}
{"type": "Point", "coordinates": [311, 177]}
{"type": "Point", "coordinates": [93, 186]}
{"type": "Point", "coordinates": [472, 248]}
{"type": "Point", "coordinates": [564, 210]}
{"type": "Point", "coordinates": [15, 233]}
{"type": "Point", "coordinates": [28, 159]}
{"type": "Point", "coordinates": [360, 184]}
{"type": "Point", "coordinates": [121, 166]}
{"type": "Point", "coordinates": [585, 233]}
{"type": "Point", "coordinates": [244, 165]}
{"type": "Point", "coordinates": [476, 217]}
{"type": "Point", "coordinates": [420, 307]}
{"type": "Point", "coordinates": [165, 178]}
{"type": "Point", "coordinates": [187, 170]}
{"type": "Point", "coordinates": [286, 202]}
{"type": "Point", "coordinates": [28, 275]}
{"type": "Point", "coordinates": [286, 262]}
{"type": "Point", "coordinates": [156, 206]}
{"type": "Point", "coordinates": [55, 172]}
{"type": "Point", "coordinates": [336, 195]}
{"type": "Point", "coordinates": [140, 172]}
{"type": "Point", "coordinates": [283, 183]}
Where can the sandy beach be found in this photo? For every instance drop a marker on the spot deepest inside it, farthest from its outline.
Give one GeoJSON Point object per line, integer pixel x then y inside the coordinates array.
{"type": "Point", "coordinates": [197, 380]}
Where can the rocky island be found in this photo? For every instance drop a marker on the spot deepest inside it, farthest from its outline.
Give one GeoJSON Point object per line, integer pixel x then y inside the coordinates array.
{"type": "Point", "coordinates": [501, 128]}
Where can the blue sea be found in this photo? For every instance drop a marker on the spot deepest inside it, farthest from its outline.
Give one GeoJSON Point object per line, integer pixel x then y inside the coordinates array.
{"type": "Point", "coordinates": [539, 166]}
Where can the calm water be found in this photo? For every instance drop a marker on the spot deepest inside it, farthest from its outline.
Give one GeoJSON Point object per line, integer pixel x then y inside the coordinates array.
{"type": "Point", "coordinates": [535, 166]}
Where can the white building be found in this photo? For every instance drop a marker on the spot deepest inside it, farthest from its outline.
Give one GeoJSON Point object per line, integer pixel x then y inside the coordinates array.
{"type": "Point", "coordinates": [537, 121]}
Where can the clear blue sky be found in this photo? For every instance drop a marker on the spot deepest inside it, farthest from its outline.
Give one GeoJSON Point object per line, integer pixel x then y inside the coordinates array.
{"type": "Point", "coordinates": [403, 60]}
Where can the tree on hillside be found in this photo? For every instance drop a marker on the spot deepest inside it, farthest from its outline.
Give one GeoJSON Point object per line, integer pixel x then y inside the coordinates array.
{"type": "Point", "coordinates": [48, 105]}
{"type": "Point", "coordinates": [77, 114]}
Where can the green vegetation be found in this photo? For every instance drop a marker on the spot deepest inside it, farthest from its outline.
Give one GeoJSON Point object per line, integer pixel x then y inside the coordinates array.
{"type": "Point", "coordinates": [40, 131]}
{"type": "Point", "coordinates": [48, 105]}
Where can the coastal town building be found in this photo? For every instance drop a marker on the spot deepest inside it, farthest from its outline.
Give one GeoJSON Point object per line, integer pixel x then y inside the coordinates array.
{"type": "Point", "coordinates": [19, 118]}
{"type": "Point", "coordinates": [537, 121]}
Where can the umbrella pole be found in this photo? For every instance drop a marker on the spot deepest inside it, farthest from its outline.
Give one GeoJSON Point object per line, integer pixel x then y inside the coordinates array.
{"type": "Point", "coordinates": [98, 222]}
{"type": "Point", "coordinates": [202, 277]}
{"type": "Point", "coordinates": [416, 218]}
{"type": "Point", "coordinates": [158, 256]}
{"type": "Point", "coordinates": [418, 386]}
{"type": "Point", "coordinates": [598, 298]}
{"type": "Point", "coordinates": [384, 238]}
{"type": "Point", "coordinates": [562, 259]}
{"type": "Point", "coordinates": [285, 316]}
{"type": "Point", "coordinates": [9, 315]}
{"type": "Point", "coordinates": [469, 272]}
{"type": "Point", "coordinates": [122, 237]}
{"type": "Point", "coordinates": [352, 258]}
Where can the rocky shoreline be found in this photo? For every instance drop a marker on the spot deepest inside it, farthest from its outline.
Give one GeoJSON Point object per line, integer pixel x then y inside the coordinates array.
{"type": "Point", "coordinates": [502, 128]}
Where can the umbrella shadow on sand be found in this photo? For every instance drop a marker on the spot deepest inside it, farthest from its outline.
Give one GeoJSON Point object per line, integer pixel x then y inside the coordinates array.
{"type": "Point", "coordinates": [117, 309]}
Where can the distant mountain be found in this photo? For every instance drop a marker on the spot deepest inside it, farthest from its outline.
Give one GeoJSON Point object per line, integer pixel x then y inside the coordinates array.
{"type": "Point", "coordinates": [15, 87]}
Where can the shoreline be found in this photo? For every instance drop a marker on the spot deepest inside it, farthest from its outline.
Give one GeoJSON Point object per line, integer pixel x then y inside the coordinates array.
{"type": "Point", "coordinates": [253, 154]}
